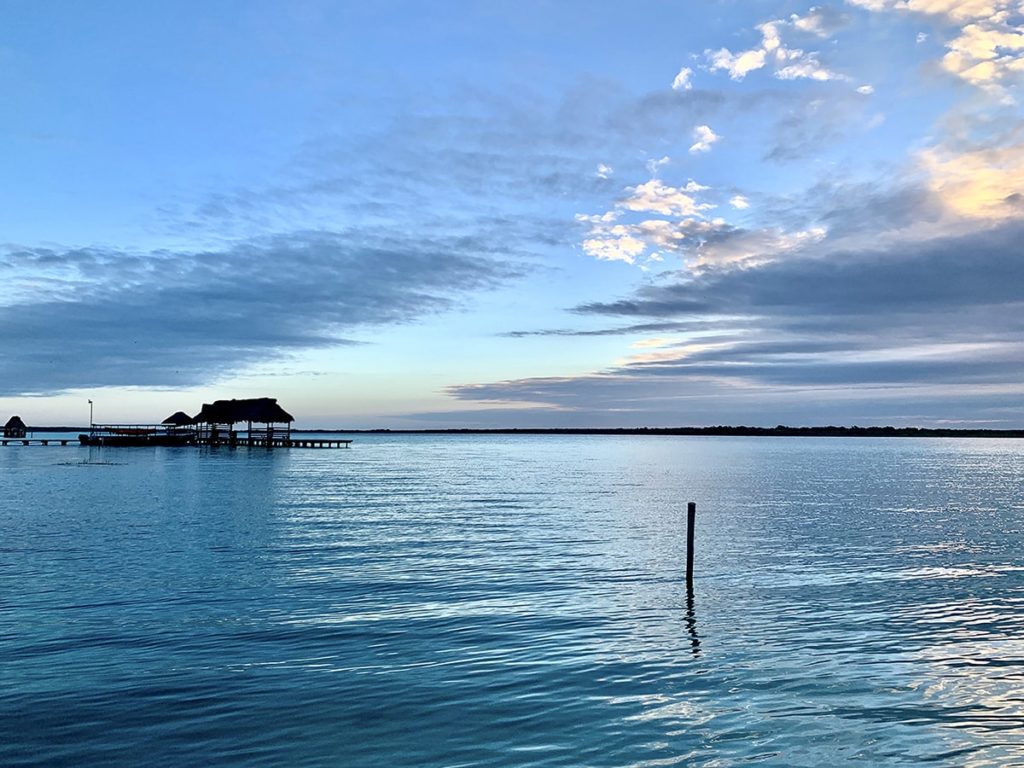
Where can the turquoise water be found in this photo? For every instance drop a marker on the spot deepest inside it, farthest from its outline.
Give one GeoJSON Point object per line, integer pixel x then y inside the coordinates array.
{"type": "Point", "coordinates": [514, 601]}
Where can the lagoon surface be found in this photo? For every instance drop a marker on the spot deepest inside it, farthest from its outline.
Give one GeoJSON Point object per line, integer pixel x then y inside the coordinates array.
{"type": "Point", "coordinates": [514, 601]}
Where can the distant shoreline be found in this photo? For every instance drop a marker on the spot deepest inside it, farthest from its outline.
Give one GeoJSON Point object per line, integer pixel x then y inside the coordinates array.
{"type": "Point", "coordinates": [703, 431]}
{"type": "Point", "coordinates": [719, 431]}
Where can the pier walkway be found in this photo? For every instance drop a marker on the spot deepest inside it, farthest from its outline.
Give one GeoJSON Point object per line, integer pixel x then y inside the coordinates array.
{"type": "Point", "coordinates": [287, 442]}
{"type": "Point", "coordinates": [38, 441]}
{"type": "Point", "coordinates": [238, 442]}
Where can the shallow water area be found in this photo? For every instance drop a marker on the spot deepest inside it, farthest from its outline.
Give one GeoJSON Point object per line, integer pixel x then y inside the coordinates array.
{"type": "Point", "coordinates": [514, 601]}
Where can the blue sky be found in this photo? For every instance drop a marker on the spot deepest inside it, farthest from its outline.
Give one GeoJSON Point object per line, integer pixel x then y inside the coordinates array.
{"type": "Point", "coordinates": [515, 214]}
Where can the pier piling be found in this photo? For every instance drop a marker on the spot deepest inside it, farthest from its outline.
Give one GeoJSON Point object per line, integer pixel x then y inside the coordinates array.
{"type": "Point", "coordinates": [691, 520]}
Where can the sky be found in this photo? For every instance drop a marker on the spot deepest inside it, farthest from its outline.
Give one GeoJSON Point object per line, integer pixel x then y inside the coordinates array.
{"type": "Point", "coordinates": [514, 214]}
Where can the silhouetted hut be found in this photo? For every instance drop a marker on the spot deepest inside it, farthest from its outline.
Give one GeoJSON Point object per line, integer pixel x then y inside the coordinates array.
{"type": "Point", "coordinates": [218, 419]}
{"type": "Point", "coordinates": [178, 423]}
{"type": "Point", "coordinates": [179, 419]}
{"type": "Point", "coordinates": [15, 427]}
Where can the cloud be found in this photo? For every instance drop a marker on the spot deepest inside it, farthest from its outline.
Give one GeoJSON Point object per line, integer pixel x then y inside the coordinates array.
{"type": "Point", "coordinates": [804, 67]}
{"type": "Point", "coordinates": [520, 164]}
{"type": "Point", "coordinates": [925, 331]}
{"type": "Point", "coordinates": [738, 65]}
{"type": "Point", "coordinates": [865, 90]}
{"type": "Point", "coordinates": [742, 247]}
{"type": "Point", "coordinates": [983, 183]}
{"type": "Point", "coordinates": [689, 326]}
{"type": "Point", "coordinates": [823, 21]}
{"type": "Point", "coordinates": [610, 239]}
{"type": "Point", "coordinates": [615, 243]}
{"type": "Point", "coordinates": [622, 401]}
{"type": "Point", "coordinates": [653, 343]}
{"type": "Point", "coordinates": [934, 278]}
{"type": "Point", "coordinates": [988, 50]}
{"type": "Point", "coordinates": [685, 229]}
{"type": "Point", "coordinates": [702, 243]}
{"type": "Point", "coordinates": [957, 10]}
{"type": "Point", "coordinates": [682, 80]}
{"type": "Point", "coordinates": [516, 153]}
{"type": "Point", "coordinates": [788, 63]}
{"type": "Point", "coordinates": [704, 137]}
{"type": "Point", "coordinates": [987, 53]}
{"type": "Point", "coordinates": [655, 163]}
{"type": "Point", "coordinates": [655, 196]}
{"type": "Point", "coordinates": [812, 126]}
{"type": "Point", "coordinates": [103, 317]}
{"type": "Point", "coordinates": [522, 158]}
{"type": "Point", "coordinates": [632, 396]}
{"type": "Point", "coordinates": [973, 166]}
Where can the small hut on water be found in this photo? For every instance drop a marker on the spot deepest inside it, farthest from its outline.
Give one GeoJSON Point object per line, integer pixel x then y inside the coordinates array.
{"type": "Point", "coordinates": [177, 420]}
{"type": "Point", "coordinates": [178, 423]}
{"type": "Point", "coordinates": [216, 422]}
{"type": "Point", "coordinates": [15, 427]}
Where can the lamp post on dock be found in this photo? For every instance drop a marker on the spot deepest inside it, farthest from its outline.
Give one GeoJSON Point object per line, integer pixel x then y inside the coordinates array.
{"type": "Point", "coordinates": [90, 415]}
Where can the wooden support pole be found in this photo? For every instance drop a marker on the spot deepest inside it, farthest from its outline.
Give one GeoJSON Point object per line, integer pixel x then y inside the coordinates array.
{"type": "Point", "coordinates": [691, 520]}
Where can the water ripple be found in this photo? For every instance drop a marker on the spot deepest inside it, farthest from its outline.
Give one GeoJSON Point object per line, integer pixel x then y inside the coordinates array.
{"type": "Point", "coordinates": [477, 601]}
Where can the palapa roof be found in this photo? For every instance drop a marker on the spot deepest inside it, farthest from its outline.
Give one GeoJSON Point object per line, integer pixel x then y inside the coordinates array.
{"type": "Point", "coordinates": [263, 410]}
{"type": "Point", "coordinates": [179, 419]}
{"type": "Point", "coordinates": [15, 422]}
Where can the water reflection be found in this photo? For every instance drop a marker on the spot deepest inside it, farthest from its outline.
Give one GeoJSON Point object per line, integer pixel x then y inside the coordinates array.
{"type": "Point", "coordinates": [492, 602]}
{"type": "Point", "coordinates": [691, 620]}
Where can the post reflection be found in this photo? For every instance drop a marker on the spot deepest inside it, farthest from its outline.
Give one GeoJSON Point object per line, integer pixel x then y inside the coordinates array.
{"type": "Point", "coordinates": [691, 621]}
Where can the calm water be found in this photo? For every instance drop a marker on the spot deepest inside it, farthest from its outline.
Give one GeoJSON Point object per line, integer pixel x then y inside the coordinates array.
{"type": "Point", "coordinates": [494, 601]}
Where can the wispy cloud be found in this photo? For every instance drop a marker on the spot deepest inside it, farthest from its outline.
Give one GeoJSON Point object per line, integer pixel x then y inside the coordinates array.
{"type": "Point", "coordinates": [704, 137]}
{"type": "Point", "coordinates": [820, 20]}
{"type": "Point", "coordinates": [907, 333]}
{"type": "Point", "coordinates": [111, 318]}
{"type": "Point", "coordinates": [988, 49]}
{"type": "Point", "coordinates": [681, 82]}
{"type": "Point", "coordinates": [788, 63]}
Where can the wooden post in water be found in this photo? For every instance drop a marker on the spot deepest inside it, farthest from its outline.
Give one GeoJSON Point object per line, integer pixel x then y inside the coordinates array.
{"type": "Point", "coordinates": [691, 519]}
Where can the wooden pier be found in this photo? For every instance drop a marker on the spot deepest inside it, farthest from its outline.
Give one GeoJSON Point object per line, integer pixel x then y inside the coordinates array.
{"type": "Point", "coordinates": [238, 442]}
{"type": "Point", "coordinates": [38, 441]}
{"type": "Point", "coordinates": [284, 441]}
{"type": "Point", "coordinates": [267, 424]}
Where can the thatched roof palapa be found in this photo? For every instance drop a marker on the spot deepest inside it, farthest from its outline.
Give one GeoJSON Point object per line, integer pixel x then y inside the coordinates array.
{"type": "Point", "coordinates": [15, 427]}
{"type": "Point", "coordinates": [179, 419]}
{"type": "Point", "coordinates": [262, 410]}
